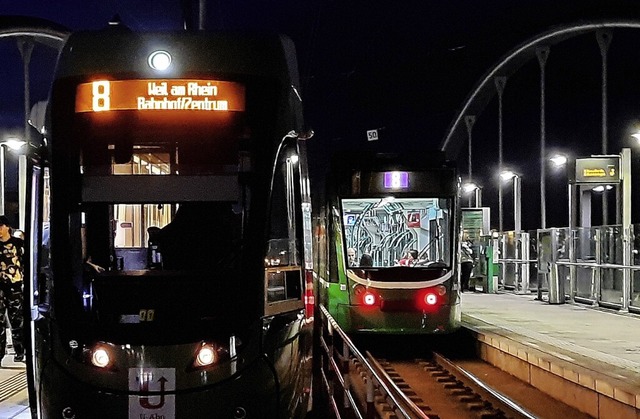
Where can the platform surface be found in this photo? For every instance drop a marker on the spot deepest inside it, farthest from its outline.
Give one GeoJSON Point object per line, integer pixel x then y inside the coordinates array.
{"type": "Point", "coordinates": [596, 349]}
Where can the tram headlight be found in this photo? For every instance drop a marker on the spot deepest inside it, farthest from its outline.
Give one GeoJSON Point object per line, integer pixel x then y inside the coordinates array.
{"type": "Point", "coordinates": [100, 357]}
{"type": "Point", "coordinates": [206, 356]}
{"type": "Point", "coordinates": [159, 60]}
{"type": "Point", "coordinates": [210, 354]}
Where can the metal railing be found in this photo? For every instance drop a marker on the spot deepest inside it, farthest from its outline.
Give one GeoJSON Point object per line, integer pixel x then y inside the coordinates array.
{"type": "Point", "coordinates": [592, 265]}
{"type": "Point", "coordinates": [337, 373]}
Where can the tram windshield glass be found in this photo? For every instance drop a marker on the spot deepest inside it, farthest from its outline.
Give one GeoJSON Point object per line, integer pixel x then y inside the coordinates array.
{"type": "Point", "coordinates": [396, 231]}
{"type": "Point", "coordinates": [158, 204]}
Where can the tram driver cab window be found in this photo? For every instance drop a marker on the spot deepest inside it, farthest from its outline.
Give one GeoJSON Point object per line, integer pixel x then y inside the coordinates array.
{"type": "Point", "coordinates": [283, 270]}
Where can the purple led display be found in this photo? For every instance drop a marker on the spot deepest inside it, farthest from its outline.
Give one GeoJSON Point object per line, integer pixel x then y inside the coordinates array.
{"type": "Point", "coordinates": [396, 180]}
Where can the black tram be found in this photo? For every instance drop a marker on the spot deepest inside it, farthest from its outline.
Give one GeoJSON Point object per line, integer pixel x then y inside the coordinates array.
{"type": "Point", "coordinates": [387, 244]}
{"type": "Point", "coordinates": [171, 231]}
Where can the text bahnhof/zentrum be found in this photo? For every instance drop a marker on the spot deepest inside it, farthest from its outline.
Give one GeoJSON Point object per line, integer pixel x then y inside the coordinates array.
{"type": "Point", "coordinates": [182, 103]}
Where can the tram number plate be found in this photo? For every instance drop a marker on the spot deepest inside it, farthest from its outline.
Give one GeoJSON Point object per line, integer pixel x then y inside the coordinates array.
{"type": "Point", "coordinates": [158, 404]}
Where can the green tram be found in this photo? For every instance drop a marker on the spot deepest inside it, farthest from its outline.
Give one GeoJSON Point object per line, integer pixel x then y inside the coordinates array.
{"type": "Point", "coordinates": [170, 231]}
{"type": "Point", "coordinates": [386, 244]}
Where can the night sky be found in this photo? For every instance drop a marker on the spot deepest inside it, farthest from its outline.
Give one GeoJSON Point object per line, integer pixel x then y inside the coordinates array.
{"type": "Point", "coordinates": [405, 67]}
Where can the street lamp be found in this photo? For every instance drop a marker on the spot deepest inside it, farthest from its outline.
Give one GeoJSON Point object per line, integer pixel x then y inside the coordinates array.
{"type": "Point", "coordinates": [470, 187]}
{"type": "Point", "coordinates": [560, 164]}
{"type": "Point", "coordinates": [15, 144]}
{"type": "Point", "coordinates": [602, 188]}
{"type": "Point", "coordinates": [507, 175]}
{"type": "Point", "coordinates": [559, 160]}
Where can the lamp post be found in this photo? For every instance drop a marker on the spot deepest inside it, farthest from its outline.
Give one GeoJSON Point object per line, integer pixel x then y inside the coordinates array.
{"type": "Point", "coordinates": [560, 162]}
{"type": "Point", "coordinates": [470, 187]}
{"type": "Point", "coordinates": [517, 198]}
{"type": "Point", "coordinates": [12, 143]}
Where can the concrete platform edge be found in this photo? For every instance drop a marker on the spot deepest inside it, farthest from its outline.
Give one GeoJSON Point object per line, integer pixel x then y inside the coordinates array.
{"type": "Point", "coordinates": [591, 387]}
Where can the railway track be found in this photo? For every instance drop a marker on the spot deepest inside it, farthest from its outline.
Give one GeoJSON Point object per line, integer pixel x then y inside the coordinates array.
{"type": "Point", "coordinates": [440, 388]}
{"type": "Point", "coordinates": [409, 377]}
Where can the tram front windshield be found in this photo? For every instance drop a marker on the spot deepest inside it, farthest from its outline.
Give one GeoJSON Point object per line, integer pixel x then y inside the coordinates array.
{"type": "Point", "coordinates": [158, 210]}
{"type": "Point", "coordinates": [384, 232]}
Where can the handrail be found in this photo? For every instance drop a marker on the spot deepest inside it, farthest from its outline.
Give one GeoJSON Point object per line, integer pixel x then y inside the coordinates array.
{"type": "Point", "coordinates": [561, 250]}
{"type": "Point", "coordinates": [517, 261]}
{"type": "Point", "coordinates": [380, 382]}
{"type": "Point", "coordinates": [598, 265]}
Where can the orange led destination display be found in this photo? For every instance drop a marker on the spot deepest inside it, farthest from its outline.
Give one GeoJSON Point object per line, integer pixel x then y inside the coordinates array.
{"type": "Point", "coordinates": [164, 94]}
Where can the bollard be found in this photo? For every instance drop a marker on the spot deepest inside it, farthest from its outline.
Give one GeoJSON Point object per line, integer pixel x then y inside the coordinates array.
{"type": "Point", "coordinates": [556, 286]}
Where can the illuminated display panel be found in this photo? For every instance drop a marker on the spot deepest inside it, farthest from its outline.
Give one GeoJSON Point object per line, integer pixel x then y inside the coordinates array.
{"type": "Point", "coordinates": [396, 180]}
{"type": "Point", "coordinates": [160, 95]}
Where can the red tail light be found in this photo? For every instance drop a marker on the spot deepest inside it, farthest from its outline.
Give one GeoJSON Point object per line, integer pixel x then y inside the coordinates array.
{"type": "Point", "coordinates": [364, 296]}
{"type": "Point", "coordinates": [369, 298]}
{"type": "Point", "coordinates": [309, 298]}
{"type": "Point", "coordinates": [429, 298]}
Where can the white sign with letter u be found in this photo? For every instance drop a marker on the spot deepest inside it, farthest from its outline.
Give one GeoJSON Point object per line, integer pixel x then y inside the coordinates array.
{"type": "Point", "coordinates": [158, 404]}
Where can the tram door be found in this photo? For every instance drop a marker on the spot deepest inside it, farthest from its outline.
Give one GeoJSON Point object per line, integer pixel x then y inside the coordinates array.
{"type": "Point", "coordinates": [37, 266]}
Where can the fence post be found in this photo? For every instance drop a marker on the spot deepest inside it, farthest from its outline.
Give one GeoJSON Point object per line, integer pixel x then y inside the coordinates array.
{"type": "Point", "coordinates": [344, 365]}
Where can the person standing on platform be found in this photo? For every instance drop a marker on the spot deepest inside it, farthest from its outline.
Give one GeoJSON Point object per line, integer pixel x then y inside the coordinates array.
{"type": "Point", "coordinates": [466, 265]}
{"type": "Point", "coordinates": [11, 299]}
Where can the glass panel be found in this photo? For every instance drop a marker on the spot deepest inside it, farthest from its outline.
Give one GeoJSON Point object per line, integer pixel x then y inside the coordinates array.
{"type": "Point", "coordinates": [382, 232]}
{"type": "Point", "coordinates": [282, 249]}
{"type": "Point", "coordinates": [282, 274]}
{"type": "Point", "coordinates": [611, 281]}
{"type": "Point", "coordinates": [509, 251]}
{"type": "Point", "coordinates": [586, 251]}
{"type": "Point", "coordinates": [150, 162]}
{"type": "Point", "coordinates": [44, 282]}
{"type": "Point", "coordinates": [133, 221]}
{"type": "Point", "coordinates": [635, 258]}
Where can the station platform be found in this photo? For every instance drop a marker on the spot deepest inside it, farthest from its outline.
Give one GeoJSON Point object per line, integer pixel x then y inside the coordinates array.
{"type": "Point", "coordinates": [14, 399]}
{"type": "Point", "coordinates": [586, 357]}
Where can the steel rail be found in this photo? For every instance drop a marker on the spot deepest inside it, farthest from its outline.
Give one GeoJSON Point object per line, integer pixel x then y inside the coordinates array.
{"type": "Point", "coordinates": [381, 384]}
{"type": "Point", "coordinates": [409, 404]}
{"type": "Point", "coordinates": [476, 381]}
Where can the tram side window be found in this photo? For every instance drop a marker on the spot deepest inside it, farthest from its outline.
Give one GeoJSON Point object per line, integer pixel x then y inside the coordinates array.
{"type": "Point", "coordinates": [320, 247]}
{"type": "Point", "coordinates": [283, 278]}
{"type": "Point", "coordinates": [335, 237]}
{"type": "Point", "coordinates": [42, 282]}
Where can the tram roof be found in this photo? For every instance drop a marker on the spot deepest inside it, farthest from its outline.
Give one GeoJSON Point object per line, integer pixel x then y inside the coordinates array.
{"type": "Point", "coordinates": [117, 49]}
{"type": "Point", "coordinates": [415, 160]}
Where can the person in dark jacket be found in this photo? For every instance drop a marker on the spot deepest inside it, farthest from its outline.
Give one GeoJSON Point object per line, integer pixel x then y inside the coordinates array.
{"type": "Point", "coordinates": [11, 299]}
{"type": "Point", "coordinates": [466, 265]}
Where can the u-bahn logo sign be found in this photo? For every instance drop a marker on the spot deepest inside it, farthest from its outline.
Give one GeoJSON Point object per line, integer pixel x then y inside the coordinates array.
{"type": "Point", "coordinates": [160, 403]}
{"type": "Point", "coordinates": [604, 169]}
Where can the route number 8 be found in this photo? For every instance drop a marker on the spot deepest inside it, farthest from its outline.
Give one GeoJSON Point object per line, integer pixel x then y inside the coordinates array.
{"type": "Point", "coordinates": [101, 100]}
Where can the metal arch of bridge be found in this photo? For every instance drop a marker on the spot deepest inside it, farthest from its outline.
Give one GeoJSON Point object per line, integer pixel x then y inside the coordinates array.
{"type": "Point", "coordinates": [485, 89]}
{"type": "Point", "coordinates": [27, 31]}
{"type": "Point", "coordinates": [40, 30]}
